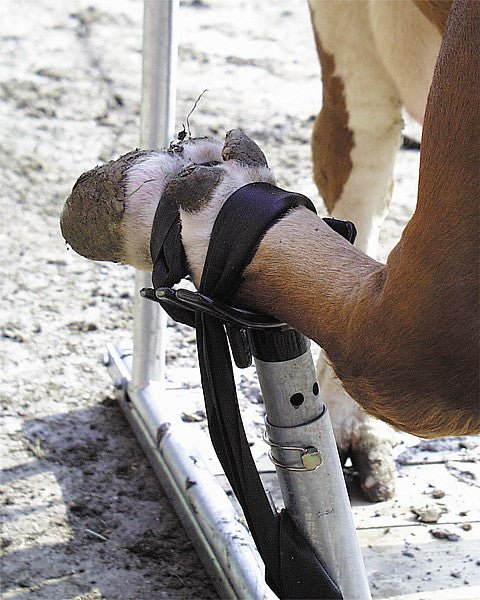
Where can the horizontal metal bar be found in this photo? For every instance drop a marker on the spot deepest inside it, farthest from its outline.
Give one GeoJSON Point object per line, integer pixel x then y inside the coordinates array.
{"type": "Point", "coordinates": [220, 537]}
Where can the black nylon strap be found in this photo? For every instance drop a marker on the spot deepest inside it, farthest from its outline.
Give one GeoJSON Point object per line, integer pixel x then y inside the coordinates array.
{"type": "Point", "coordinates": [229, 439]}
{"type": "Point", "coordinates": [238, 230]}
{"type": "Point", "coordinates": [168, 255]}
{"type": "Point", "coordinates": [166, 249]}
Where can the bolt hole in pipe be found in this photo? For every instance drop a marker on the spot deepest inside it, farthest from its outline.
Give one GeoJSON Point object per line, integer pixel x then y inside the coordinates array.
{"type": "Point", "coordinates": [297, 400]}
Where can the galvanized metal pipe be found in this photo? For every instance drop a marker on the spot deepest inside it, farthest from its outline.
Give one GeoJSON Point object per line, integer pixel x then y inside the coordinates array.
{"type": "Point", "coordinates": [219, 533]}
{"type": "Point", "coordinates": [317, 500]}
{"type": "Point", "coordinates": [160, 50]}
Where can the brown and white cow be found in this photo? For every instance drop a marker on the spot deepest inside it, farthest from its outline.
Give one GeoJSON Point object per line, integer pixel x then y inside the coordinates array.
{"type": "Point", "coordinates": [376, 58]}
{"type": "Point", "coordinates": [402, 337]}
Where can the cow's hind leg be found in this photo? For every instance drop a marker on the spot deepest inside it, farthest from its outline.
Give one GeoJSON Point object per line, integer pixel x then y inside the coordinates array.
{"type": "Point", "coordinates": [354, 143]}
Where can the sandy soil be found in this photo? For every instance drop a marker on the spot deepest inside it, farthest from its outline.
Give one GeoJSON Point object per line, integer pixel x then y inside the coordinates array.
{"type": "Point", "coordinates": [84, 516]}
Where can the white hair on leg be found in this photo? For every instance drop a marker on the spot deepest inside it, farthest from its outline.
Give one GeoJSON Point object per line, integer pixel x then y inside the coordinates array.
{"type": "Point", "coordinates": [145, 182]}
{"type": "Point", "coordinates": [197, 227]}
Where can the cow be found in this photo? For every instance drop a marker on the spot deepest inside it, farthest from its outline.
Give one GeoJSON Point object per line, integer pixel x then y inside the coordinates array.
{"type": "Point", "coordinates": [402, 338]}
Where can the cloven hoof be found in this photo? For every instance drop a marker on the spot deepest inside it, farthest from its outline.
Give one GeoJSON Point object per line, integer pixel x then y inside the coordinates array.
{"type": "Point", "coordinates": [91, 220]}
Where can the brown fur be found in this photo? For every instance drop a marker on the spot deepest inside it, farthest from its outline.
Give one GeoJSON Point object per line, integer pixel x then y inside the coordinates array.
{"type": "Point", "coordinates": [331, 170]}
{"type": "Point", "coordinates": [436, 11]}
{"type": "Point", "coordinates": [403, 337]}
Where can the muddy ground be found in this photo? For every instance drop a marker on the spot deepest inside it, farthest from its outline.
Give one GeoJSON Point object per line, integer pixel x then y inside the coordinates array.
{"type": "Point", "coordinates": [84, 517]}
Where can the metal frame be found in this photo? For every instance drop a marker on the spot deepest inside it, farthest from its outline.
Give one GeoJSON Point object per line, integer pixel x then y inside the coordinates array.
{"type": "Point", "coordinates": [217, 530]}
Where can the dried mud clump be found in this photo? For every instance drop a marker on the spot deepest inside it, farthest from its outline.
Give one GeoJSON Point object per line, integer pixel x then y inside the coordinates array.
{"type": "Point", "coordinates": [91, 220]}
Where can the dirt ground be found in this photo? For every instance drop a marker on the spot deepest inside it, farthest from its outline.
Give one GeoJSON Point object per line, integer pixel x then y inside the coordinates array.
{"type": "Point", "coordinates": [83, 515]}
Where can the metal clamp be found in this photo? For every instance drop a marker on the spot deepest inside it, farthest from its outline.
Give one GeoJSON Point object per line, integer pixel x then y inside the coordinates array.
{"type": "Point", "coordinates": [310, 456]}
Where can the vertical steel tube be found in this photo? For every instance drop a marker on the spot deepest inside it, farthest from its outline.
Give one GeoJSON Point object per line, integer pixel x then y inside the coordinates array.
{"type": "Point", "coordinates": [317, 499]}
{"type": "Point", "coordinates": [157, 129]}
